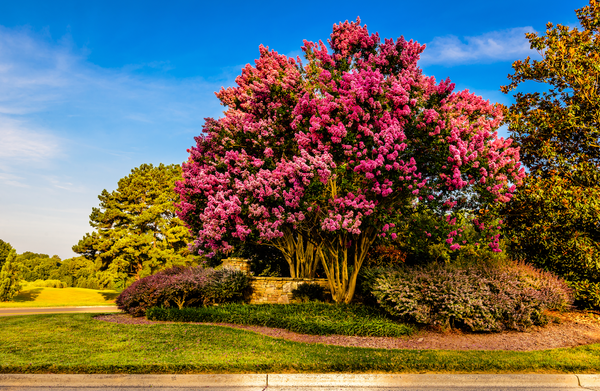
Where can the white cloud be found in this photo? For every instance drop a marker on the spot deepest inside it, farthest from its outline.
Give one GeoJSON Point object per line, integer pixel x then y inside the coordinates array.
{"type": "Point", "coordinates": [504, 45]}
{"type": "Point", "coordinates": [18, 143]}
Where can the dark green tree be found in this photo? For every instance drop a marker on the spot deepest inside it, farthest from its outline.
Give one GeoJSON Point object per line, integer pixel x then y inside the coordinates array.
{"type": "Point", "coordinates": [36, 266]}
{"type": "Point", "coordinates": [554, 220]}
{"type": "Point", "coordinates": [77, 272]}
{"type": "Point", "coordinates": [9, 277]}
{"type": "Point", "coordinates": [5, 248]}
{"type": "Point", "coordinates": [136, 230]}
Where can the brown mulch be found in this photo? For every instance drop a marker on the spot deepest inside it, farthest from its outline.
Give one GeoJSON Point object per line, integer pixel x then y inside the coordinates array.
{"type": "Point", "coordinates": [567, 330]}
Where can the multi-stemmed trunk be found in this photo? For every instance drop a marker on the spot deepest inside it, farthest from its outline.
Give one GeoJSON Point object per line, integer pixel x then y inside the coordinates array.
{"type": "Point", "coordinates": [334, 255]}
{"type": "Point", "coordinates": [299, 252]}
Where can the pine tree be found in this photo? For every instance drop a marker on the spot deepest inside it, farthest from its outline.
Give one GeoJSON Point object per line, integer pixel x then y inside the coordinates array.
{"type": "Point", "coordinates": [136, 230]}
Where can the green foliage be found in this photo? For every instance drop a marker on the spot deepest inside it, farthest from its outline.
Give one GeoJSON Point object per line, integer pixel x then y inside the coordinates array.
{"type": "Point", "coordinates": [265, 261]}
{"type": "Point", "coordinates": [415, 247]}
{"type": "Point", "coordinates": [308, 318]}
{"type": "Point", "coordinates": [586, 293]}
{"type": "Point", "coordinates": [554, 220]}
{"type": "Point", "coordinates": [81, 272]}
{"type": "Point", "coordinates": [9, 277]}
{"type": "Point", "coordinates": [136, 230]}
{"type": "Point", "coordinates": [308, 292]}
{"type": "Point", "coordinates": [5, 248]}
{"type": "Point", "coordinates": [477, 298]}
{"type": "Point", "coordinates": [37, 266]}
{"type": "Point", "coordinates": [47, 284]}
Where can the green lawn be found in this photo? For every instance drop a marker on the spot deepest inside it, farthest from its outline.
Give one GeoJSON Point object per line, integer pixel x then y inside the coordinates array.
{"type": "Point", "coordinates": [76, 343]}
{"type": "Point", "coordinates": [61, 297]}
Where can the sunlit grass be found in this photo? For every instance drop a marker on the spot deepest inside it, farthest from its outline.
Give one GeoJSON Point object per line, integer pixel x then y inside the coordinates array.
{"type": "Point", "coordinates": [76, 343]}
{"type": "Point", "coordinates": [61, 297]}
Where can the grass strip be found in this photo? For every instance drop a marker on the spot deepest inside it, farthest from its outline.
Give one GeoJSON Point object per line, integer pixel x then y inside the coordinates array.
{"type": "Point", "coordinates": [307, 318]}
{"type": "Point", "coordinates": [61, 297]}
{"type": "Point", "coordinates": [76, 343]}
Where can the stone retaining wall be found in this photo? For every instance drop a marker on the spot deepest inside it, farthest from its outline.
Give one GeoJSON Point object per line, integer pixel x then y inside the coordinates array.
{"type": "Point", "coordinates": [271, 290]}
{"type": "Point", "coordinates": [278, 289]}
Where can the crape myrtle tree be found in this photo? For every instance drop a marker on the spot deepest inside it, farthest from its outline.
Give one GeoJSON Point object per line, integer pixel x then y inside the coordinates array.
{"type": "Point", "coordinates": [136, 230]}
{"type": "Point", "coordinates": [554, 220]}
{"type": "Point", "coordinates": [325, 157]}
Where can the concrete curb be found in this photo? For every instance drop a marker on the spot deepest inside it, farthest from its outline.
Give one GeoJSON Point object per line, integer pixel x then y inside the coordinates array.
{"type": "Point", "coordinates": [265, 381]}
{"type": "Point", "coordinates": [426, 380]}
{"type": "Point", "coordinates": [589, 380]}
{"type": "Point", "coordinates": [145, 381]}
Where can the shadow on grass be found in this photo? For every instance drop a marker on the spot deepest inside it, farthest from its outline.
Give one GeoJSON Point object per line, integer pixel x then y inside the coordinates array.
{"type": "Point", "coordinates": [28, 295]}
{"type": "Point", "coordinates": [109, 295]}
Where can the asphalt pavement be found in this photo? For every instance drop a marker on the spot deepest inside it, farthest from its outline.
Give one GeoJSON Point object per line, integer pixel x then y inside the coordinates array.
{"type": "Point", "coordinates": [301, 382]}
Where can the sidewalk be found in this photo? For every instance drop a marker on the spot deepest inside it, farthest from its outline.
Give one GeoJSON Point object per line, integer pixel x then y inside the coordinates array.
{"type": "Point", "coordinates": [304, 382]}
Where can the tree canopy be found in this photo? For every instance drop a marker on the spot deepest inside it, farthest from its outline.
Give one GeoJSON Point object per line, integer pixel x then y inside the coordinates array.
{"type": "Point", "coordinates": [136, 230]}
{"type": "Point", "coordinates": [554, 219]}
{"type": "Point", "coordinates": [323, 158]}
{"type": "Point", "coordinates": [5, 248]}
{"type": "Point", "coordinates": [9, 277]}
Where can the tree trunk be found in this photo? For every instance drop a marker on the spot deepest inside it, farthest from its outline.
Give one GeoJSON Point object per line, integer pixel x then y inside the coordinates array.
{"type": "Point", "coordinates": [334, 258]}
{"type": "Point", "coordinates": [299, 252]}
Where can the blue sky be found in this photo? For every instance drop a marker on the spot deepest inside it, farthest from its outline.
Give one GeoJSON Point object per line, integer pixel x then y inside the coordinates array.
{"type": "Point", "coordinates": [91, 89]}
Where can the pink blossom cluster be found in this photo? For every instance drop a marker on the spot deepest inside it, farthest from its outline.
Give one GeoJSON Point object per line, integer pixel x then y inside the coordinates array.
{"type": "Point", "coordinates": [356, 137]}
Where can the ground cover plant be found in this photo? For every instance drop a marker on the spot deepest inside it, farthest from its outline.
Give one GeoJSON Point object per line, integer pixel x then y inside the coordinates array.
{"type": "Point", "coordinates": [183, 286]}
{"type": "Point", "coordinates": [307, 318]}
{"type": "Point", "coordinates": [61, 297]}
{"type": "Point", "coordinates": [479, 297]}
{"type": "Point", "coordinates": [324, 157]}
{"type": "Point", "coordinates": [37, 344]}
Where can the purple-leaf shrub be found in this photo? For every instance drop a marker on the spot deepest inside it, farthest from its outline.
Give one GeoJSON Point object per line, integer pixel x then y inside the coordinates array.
{"type": "Point", "coordinates": [477, 298]}
{"type": "Point", "coordinates": [183, 287]}
{"type": "Point", "coordinates": [339, 151]}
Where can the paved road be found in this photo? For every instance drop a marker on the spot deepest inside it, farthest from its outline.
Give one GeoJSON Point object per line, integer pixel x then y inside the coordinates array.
{"type": "Point", "coordinates": [301, 382]}
{"type": "Point", "coordinates": [54, 310]}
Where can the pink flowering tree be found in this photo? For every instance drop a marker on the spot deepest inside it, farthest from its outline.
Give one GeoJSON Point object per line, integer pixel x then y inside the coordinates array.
{"type": "Point", "coordinates": [324, 158]}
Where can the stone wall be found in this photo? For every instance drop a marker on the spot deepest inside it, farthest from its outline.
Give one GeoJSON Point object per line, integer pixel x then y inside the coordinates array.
{"type": "Point", "coordinates": [240, 264]}
{"type": "Point", "coordinates": [271, 289]}
{"type": "Point", "coordinates": [278, 289]}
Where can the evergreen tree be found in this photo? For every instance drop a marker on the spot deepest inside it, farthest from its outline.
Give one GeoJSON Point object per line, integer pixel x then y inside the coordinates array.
{"type": "Point", "coordinates": [5, 248]}
{"type": "Point", "coordinates": [9, 277]}
{"type": "Point", "coordinates": [136, 230]}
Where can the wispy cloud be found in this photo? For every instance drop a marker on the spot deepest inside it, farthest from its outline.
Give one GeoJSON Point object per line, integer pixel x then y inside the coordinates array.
{"type": "Point", "coordinates": [18, 143]}
{"type": "Point", "coordinates": [503, 45]}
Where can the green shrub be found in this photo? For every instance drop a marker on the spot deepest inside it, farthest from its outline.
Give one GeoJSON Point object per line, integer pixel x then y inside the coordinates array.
{"type": "Point", "coordinates": [586, 293]}
{"type": "Point", "coordinates": [47, 284]}
{"type": "Point", "coordinates": [476, 298]}
{"type": "Point", "coordinates": [308, 318]}
{"type": "Point", "coordinates": [308, 292]}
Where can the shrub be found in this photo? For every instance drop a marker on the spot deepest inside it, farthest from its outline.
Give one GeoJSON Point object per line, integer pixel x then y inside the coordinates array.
{"type": "Point", "coordinates": [47, 284]}
{"type": "Point", "coordinates": [477, 298]}
{"type": "Point", "coordinates": [308, 318]}
{"type": "Point", "coordinates": [586, 293]}
{"type": "Point", "coordinates": [308, 292]}
{"type": "Point", "coordinates": [183, 286]}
